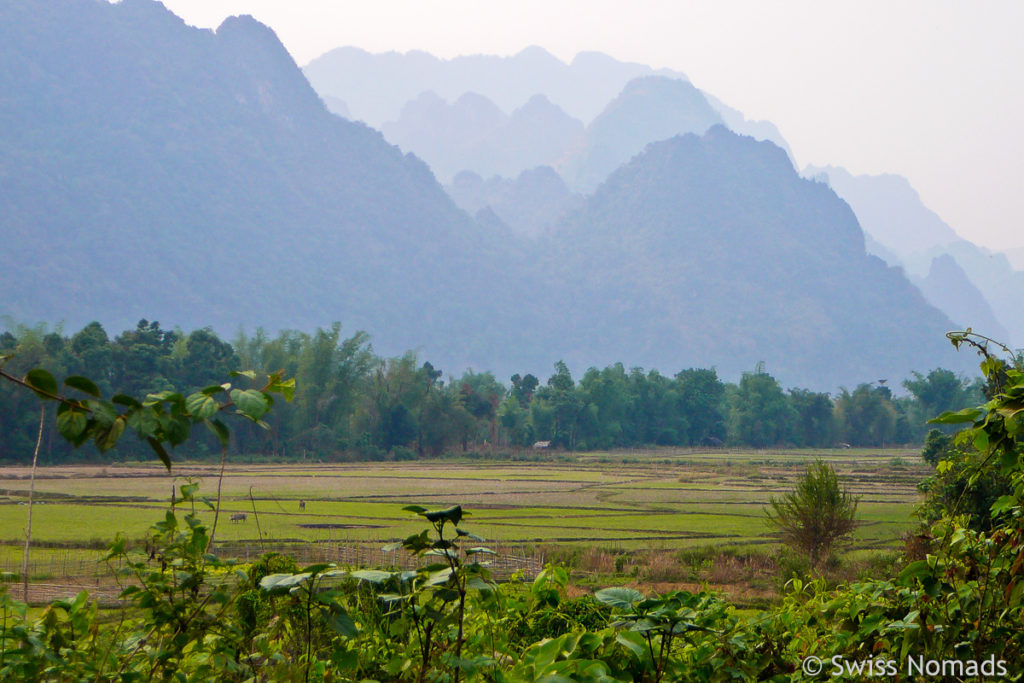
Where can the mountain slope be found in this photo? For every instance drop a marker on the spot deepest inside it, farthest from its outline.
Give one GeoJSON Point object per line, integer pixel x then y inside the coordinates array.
{"type": "Point", "coordinates": [912, 235]}
{"type": "Point", "coordinates": [647, 110]}
{"type": "Point", "coordinates": [155, 170]}
{"type": "Point", "coordinates": [948, 288]}
{"type": "Point", "coordinates": [712, 251]}
{"type": "Point", "coordinates": [474, 134]}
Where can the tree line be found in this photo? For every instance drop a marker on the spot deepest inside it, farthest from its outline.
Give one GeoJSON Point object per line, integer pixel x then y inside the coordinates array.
{"type": "Point", "coordinates": [353, 404]}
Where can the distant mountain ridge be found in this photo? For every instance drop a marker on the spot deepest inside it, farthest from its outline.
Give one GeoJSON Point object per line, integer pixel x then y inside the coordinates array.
{"type": "Point", "coordinates": [474, 134]}
{"type": "Point", "coordinates": [153, 170]}
{"type": "Point", "coordinates": [581, 88]}
{"type": "Point", "coordinates": [647, 110]}
{"type": "Point", "coordinates": [907, 233]}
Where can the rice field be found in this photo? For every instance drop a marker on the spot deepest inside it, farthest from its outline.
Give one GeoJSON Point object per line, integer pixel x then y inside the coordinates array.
{"type": "Point", "coordinates": [618, 501]}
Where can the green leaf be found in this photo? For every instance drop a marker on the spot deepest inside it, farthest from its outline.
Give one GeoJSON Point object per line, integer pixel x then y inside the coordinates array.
{"type": "Point", "coordinates": [915, 570]}
{"type": "Point", "coordinates": [201, 406]}
{"type": "Point", "coordinates": [42, 382]}
{"type": "Point", "coordinates": [107, 438]}
{"type": "Point", "coordinates": [965, 415]}
{"type": "Point", "coordinates": [164, 396]}
{"type": "Point", "coordinates": [372, 575]}
{"type": "Point", "coordinates": [215, 389]}
{"type": "Point", "coordinates": [342, 623]}
{"type": "Point", "coordinates": [83, 384]}
{"type": "Point", "coordinates": [418, 509]}
{"type": "Point", "coordinates": [480, 549]}
{"type": "Point", "coordinates": [284, 387]}
{"type": "Point", "coordinates": [1004, 503]}
{"type": "Point", "coordinates": [477, 583]}
{"type": "Point", "coordinates": [176, 428]}
{"type": "Point", "coordinates": [160, 452]}
{"type": "Point", "coordinates": [251, 403]}
{"type": "Point", "coordinates": [71, 424]}
{"type": "Point", "coordinates": [125, 400]}
{"type": "Point", "coordinates": [622, 598]}
{"type": "Point", "coordinates": [453, 514]}
{"type": "Point", "coordinates": [276, 584]}
{"type": "Point", "coordinates": [219, 430]}
{"type": "Point", "coordinates": [244, 373]}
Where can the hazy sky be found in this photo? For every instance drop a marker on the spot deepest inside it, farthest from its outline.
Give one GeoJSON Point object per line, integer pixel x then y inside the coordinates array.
{"type": "Point", "coordinates": [927, 89]}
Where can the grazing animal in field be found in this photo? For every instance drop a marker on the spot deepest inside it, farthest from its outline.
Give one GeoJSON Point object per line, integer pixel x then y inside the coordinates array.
{"type": "Point", "coordinates": [302, 505]}
{"type": "Point", "coordinates": [239, 517]}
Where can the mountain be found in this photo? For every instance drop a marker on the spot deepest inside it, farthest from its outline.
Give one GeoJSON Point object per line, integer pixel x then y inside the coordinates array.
{"type": "Point", "coordinates": [376, 86]}
{"type": "Point", "coordinates": [948, 288]}
{"type": "Point", "coordinates": [648, 109]}
{"type": "Point", "coordinates": [993, 275]}
{"type": "Point", "coordinates": [711, 250]}
{"type": "Point", "coordinates": [153, 170]}
{"type": "Point", "coordinates": [150, 169]}
{"type": "Point", "coordinates": [890, 210]}
{"type": "Point", "coordinates": [530, 205]}
{"type": "Point", "coordinates": [474, 134]}
{"type": "Point", "coordinates": [909, 234]}
{"type": "Point", "coordinates": [1016, 257]}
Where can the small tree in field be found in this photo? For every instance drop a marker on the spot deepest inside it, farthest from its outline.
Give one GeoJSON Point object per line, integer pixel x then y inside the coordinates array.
{"type": "Point", "coordinates": [816, 515]}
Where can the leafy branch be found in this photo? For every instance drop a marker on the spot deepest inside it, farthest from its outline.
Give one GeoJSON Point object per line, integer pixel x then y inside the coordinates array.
{"type": "Point", "coordinates": [163, 418]}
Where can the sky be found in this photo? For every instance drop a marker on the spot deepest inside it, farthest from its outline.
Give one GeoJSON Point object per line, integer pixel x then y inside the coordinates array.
{"type": "Point", "coordinates": [929, 89]}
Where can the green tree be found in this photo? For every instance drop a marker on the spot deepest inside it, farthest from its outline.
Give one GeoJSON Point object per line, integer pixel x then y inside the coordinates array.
{"type": "Point", "coordinates": [940, 391]}
{"type": "Point", "coordinates": [815, 419]}
{"type": "Point", "coordinates": [702, 398]}
{"type": "Point", "coordinates": [816, 515]}
{"type": "Point", "coordinates": [866, 417]}
{"type": "Point", "coordinates": [760, 415]}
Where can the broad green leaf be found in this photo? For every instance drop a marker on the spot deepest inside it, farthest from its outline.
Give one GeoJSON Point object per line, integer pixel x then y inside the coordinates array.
{"type": "Point", "coordinates": [965, 415]}
{"type": "Point", "coordinates": [176, 428]}
{"type": "Point", "coordinates": [480, 549]}
{"type": "Point", "coordinates": [83, 384]}
{"type": "Point", "coordinates": [164, 396]}
{"type": "Point", "coordinates": [244, 373]}
{"type": "Point", "coordinates": [915, 570]}
{"type": "Point", "coordinates": [418, 509]}
{"type": "Point", "coordinates": [438, 577]}
{"type": "Point", "coordinates": [622, 598]}
{"type": "Point", "coordinates": [107, 438]}
{"type": "Point", "coordinates": [372, 575]}
{"type": "Point", "coordinates": [160, 452]}
{"type": "Point", "coordinates": [251, 403]}
{"type": "Point", "coordinates": [342, 623]}
{"type": "Point", "coordinates": [1004, 503]}
{"type": "Point", "coordinates": [125, 400]}
{"type": "Point", "coordinates": [276, 584]}
{"type": "Point", "coordinates": [219, 430]}
{"type": "Point", "coordinates": [453, 514]}
{"type": "Point", "coordinates": [201, 406]}
{"type": "Point", "coordinates": [216, 389]}
{"type": "Point", "coordinates": [143, 421]}
{"type": "Point", "coordinates": [71, 424]}
{"type": "Point", "coordinates": [284, 387]}
{"type": "Point", "coordinates": [476, 583]}
{"type": "Point", "coordinates": [42, 382]}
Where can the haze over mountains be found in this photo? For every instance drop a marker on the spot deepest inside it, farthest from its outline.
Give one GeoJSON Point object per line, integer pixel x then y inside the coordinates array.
{"type": "Point", "coordinates": [155, 170]}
